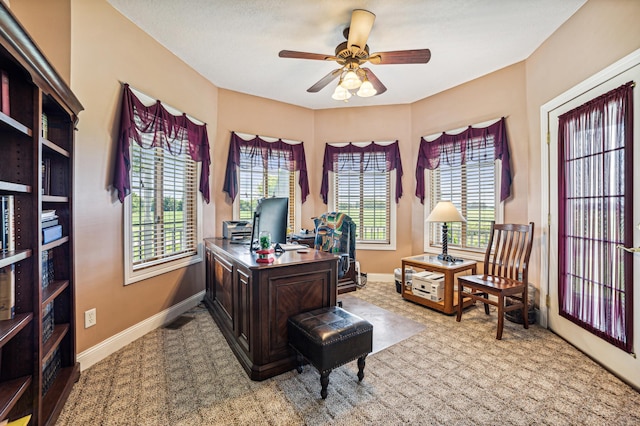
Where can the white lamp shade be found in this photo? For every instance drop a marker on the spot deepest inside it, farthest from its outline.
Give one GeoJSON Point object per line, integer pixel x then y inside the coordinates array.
{"type": "Point", "coordinates": [445, 211]}
{"type": "Point", "coordinates": [341, 94]}
{"type": "Point", "coordinates": [366, 90]}
{"type": "Point", "coordinates": [350, 81]}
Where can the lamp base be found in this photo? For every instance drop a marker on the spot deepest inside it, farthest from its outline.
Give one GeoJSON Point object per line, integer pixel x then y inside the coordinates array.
{"type": "Point", "coordinates": [448, 258]}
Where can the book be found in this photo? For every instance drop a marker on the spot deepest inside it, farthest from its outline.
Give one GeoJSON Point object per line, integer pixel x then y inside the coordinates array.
{"type": "Point", "coordinates": [7, 292]}
{"type": "Point", "coordinates": [51, 233]}
{"type": "Point", "coordinates": [49, 223]}
{"type": "Point", "coordinates": [47, 215]}
{"type": "Point", "coordinates": [47, 268]}
{"type": "Point", "coordinates": [47, 322]}
{"type": "Point", "coordinates": [7, 223]}
{"type": "Point", "coordinates": [46, 176]}
{"type": "Point", "coordinates": [4, 92]}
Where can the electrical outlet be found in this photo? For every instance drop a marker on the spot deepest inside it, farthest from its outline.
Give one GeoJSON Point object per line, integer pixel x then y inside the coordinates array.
{"type": "Point", "coordinates": [90, 318]}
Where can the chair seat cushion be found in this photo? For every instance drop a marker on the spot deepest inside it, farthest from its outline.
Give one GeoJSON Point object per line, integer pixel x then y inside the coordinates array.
{"type": "Point", "coordinates": [491, 283]}
{"type": "Point", "coordinates": [330, 337]}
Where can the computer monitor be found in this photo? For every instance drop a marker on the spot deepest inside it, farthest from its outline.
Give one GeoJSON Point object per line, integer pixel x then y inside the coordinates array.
{"type": "Point", "coordinates": [271, 214]}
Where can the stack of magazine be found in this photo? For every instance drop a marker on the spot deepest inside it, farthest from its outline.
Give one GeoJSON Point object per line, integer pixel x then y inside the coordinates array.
{"type": "Point", "coordinates": [51, 229]}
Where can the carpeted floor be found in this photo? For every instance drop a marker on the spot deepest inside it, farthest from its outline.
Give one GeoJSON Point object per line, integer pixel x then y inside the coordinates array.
{"type": "Point", "coordinates": [449, 373]}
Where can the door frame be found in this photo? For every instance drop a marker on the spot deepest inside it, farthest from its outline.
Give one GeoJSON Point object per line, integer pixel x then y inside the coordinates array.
{"type": "Point", "coordinates": [622, 65]}
{"type": "Point", "coordinates": [624, 365]}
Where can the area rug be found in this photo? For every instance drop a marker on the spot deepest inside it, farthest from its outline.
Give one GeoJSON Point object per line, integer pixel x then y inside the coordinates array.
{"type": "Point", "coordinates": [388, 328]}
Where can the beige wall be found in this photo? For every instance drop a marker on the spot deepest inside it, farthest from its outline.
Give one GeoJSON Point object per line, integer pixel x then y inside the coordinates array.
{"type": "Point", "coordinates": [258, 116]}
{"type": "Point", "coordinates": [600, 33]}
{"type": "Point", "coordinates": [499, 94]}
{"type": "Point", "coordinates": [49, 24]}
{"type": "Point", "coordinates": [365, 124]}
{"type": "Point", "coordinates": [107, 49]}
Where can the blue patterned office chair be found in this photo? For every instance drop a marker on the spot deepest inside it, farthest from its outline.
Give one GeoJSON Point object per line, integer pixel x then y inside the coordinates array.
{"type": "Point", "coordinates": [336, 233]}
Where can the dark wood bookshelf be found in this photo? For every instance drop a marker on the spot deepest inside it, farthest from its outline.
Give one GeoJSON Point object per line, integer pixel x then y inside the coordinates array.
{"type": "Point", "coordinates": [29, 384]}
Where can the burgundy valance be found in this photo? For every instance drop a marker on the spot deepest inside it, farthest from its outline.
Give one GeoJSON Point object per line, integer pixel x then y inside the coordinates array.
{"type": "Point", "coordinates": [274, 155]}
{"type": "Point", "coordinates": [465, 145]}
{"type": "Point", "coordinates": [154, 126]}
{"type": "Point", "coordinates": [355, 155]}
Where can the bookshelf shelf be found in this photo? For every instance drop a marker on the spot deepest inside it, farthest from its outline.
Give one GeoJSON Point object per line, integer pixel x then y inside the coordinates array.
{"type": "Point", "coordinates": [59, 331]}
{"type": "Point", "coordinates": [54, 199]}
{"type": "Point", "coordinates": [55, 148]}
{"type": "Point", "coordinates": [56, 243]}
{"type": "Point", "coordinates": [36, 167]}
{"type": "Point", "coordinates": [14, 124]}
{"type": "Point", "coordinates": [10, 328]}
{"type": "Point", "coordinates": [14, 187]}
{"type": "Point", "coordinates": [53, 290]}
{"type": "Point", "coordinates": [10, 392]}
{"type": "Point", "coordinates": [10, 257]}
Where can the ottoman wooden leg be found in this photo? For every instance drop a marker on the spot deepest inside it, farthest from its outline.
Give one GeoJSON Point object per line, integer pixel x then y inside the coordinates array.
{"type": "Point", "coordinates": [361, 365]}
{"type": "Point", "coordinates": [299, 361]}
{"type": "Point", "coordinates": [324, 381]}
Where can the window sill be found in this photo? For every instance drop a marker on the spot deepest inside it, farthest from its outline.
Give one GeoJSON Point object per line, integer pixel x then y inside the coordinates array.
{"type": "Point", "coordinates": [153, 271]}
{"type": "Point", "coordinates": [467, 255]}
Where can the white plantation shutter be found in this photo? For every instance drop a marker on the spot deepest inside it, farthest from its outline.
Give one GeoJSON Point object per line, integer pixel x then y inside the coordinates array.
{"type": "Point", "coordinates": [259, 180]}
{"type": "Point", "coordinates": [472, 187]}
{"type": "Point", "coordinates": [365, 196]}
{"type": "Point", "coordinates": [164, 191]}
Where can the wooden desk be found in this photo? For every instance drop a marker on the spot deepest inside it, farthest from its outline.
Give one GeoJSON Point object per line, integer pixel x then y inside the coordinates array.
{"type": "Point", "coordinates": [449, 303]}
{"type": "Point", "coordinates": [251, 302]}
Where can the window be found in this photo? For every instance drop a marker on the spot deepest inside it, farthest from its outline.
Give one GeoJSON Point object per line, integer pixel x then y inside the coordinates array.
{"type": "Point", "coordinates": [364, 185]}
{"type": "Point", "coordinates": [462, 166]}
{"type": "Point", "coordinates": [162, 212]}
{"type": "Point", "coordinates": [258, 179]}
{"type": "Point", "coordinates": [162, 162]}
{"type": "Point", "coordinates": [365, 197]}
{"type": "Point", "coordinates": [259, 168]}
{"type": "Point", "coordinates": [472, 187]}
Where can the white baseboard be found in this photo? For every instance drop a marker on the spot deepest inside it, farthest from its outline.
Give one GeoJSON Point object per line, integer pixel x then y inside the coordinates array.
{"type": "Point", "coordinates": [114, 343]}
{"type": "Point", "coordinates": [385, 278]}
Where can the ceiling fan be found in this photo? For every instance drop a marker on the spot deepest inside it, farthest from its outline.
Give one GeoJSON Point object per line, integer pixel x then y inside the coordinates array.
{"type": "Point", "coordinates": [353, 53]}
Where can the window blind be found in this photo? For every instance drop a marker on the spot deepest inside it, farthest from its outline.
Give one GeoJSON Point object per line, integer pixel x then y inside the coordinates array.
{"type": "Point", "coordinates": [260, 179]}
{"type": "Point", "coordinates": [364, 195]}
{"type": "Point", "coordinates": [163, 213]}
{"type": "Point", "coordinates": [471, 187]}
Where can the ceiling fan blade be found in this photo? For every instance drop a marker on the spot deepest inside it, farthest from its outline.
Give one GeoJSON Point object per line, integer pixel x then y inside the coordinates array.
{"type": "Point", "coordinates": [359, 29]}
{"type": "Point", "coordinates": [377, 84]}
{"type": "Point", "coordinates": [305, 55]}
{"type": "Point", "coordinates": [417, 56]}
{"type": "Point", "coordinates": [322, 83]}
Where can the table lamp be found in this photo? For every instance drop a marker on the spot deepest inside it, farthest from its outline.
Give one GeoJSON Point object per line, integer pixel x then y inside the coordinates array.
{"type": "Point", "coordinates": [445, 212]}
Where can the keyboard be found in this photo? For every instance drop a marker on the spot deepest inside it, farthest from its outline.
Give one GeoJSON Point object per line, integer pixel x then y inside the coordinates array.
{"type": "Point", "coordinates": [293, 246]}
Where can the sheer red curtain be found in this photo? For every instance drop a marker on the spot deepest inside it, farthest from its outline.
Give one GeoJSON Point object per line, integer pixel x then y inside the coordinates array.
{"type": "Point", "coordinates": [337, 157]}
{"type": "Point", "coordinates": [468, 144]}
{"type": "Point", "coordinates": [277, 155]}
{"type": "Point", "coordinates": [154, 126]}
{"type": "Point", "coordinates": [595, 194]}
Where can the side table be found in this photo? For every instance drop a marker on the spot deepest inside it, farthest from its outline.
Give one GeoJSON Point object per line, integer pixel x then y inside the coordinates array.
{"type": "Point", "coordinates": [449, 303]}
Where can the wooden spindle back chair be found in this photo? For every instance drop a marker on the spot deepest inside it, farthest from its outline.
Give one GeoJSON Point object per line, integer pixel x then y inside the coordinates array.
{"type": "Point", "coordinates": [506, 273]}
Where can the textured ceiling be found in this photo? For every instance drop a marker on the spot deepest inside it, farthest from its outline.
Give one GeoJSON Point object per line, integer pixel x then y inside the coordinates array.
{"type": "Point", "coordinates": [235, 43]}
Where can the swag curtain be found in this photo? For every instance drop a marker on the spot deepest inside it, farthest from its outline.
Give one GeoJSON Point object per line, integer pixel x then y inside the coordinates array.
{"type": "Point", "coordinates": [595, 196]}
{"type": "Point", "coordinates": [467, 143]}
{"type": "Point", "coordinates": [154, 126]}
{"type": "Point", "coordinates": [278, 154]}
{"type": "Point", "coordinates": [357, 155]}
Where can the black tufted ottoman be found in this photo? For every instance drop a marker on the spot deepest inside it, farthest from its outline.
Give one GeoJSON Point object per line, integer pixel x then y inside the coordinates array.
{"type": "Point", "coordinates": [328, 338]}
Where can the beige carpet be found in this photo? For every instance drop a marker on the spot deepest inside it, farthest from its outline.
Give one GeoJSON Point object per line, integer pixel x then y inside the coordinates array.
{"type": "Point", "coordinates": [449, 373]}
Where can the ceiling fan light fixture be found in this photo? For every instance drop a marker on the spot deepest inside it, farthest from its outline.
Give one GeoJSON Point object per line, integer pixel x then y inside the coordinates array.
{"type": "Point", "coordinates": [366, 90]}
{"type": "Point", "coordinates": [341, 94]}
{"type": "Point", "coordinates": [350, 81]}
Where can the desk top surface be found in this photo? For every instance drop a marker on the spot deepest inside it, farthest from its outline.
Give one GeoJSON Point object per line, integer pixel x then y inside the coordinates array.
{"type": "Point", "coordinates": [242, 254]}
